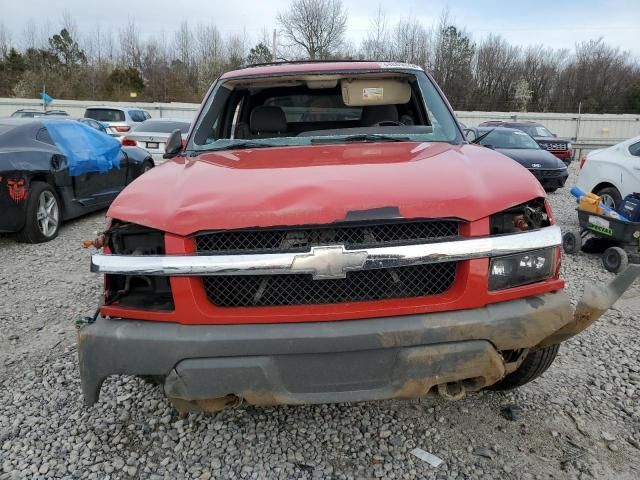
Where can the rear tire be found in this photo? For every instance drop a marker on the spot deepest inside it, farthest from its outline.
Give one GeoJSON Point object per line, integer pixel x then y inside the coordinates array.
{"type": "Point", "coordinates": [534, 365]}
{"type": "Point", "coordinates": [610, 197]}
{"type": "Point", "coordinates": [615, 259]}
{"type": "Point", "coordinates": [146, 166]}
{"type": "Point", "coordinates": [43, 215]}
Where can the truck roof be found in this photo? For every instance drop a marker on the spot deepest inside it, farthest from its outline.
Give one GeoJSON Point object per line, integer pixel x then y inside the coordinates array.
{"type": "Point", "coordinates": [322, 66]}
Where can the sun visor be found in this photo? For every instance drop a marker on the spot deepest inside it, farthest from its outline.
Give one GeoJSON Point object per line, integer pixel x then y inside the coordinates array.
{"type": "Point", "coordinates": [385, 91]}
{"type": "Point", "coordinates": [86, 149]}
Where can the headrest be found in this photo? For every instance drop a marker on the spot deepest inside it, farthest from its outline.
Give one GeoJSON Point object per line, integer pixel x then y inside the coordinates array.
{"type": "Point", "coordinates": [267, 119]}
{"type": "Point", "coordinates": [373, 114]}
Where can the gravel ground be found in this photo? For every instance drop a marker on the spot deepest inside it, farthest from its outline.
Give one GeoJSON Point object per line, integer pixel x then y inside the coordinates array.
{"type": "Point", "coordinates": [580, 420]}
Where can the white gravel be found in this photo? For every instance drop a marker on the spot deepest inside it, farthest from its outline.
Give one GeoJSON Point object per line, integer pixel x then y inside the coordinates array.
{"type": "Point", "coordinates": [580, 420]}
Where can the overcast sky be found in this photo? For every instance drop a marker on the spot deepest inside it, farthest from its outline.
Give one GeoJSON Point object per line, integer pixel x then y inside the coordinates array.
{"type": "Point", "coordinates": [556, 23]}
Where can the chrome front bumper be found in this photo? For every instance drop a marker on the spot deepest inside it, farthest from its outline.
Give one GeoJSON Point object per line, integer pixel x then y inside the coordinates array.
{"type": "Point", "coordinates": [328, 262]}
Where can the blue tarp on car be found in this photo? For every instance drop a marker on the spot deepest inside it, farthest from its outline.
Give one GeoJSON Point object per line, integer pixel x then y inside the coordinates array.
{"type": "Point", "coordinates": [86, 149]}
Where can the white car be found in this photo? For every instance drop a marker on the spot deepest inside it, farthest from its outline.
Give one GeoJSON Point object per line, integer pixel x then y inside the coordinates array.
{"type": "Point", "coordinates": [119, 121]}
{"type": "Point", "coordinates": [612, 172]}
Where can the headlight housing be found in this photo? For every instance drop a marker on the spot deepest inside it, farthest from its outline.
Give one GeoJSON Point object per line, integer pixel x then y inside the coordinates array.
{"type": "Point", "coordinates": [522, 268]}
{"type": "Point", "coordinates": [526, 216]}
{"type": "Point", "coordinates": [137, 291]}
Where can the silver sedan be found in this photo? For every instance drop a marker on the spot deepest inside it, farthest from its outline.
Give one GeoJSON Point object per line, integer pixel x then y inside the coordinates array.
{"type": "Point", "coordinates": [152, 135]}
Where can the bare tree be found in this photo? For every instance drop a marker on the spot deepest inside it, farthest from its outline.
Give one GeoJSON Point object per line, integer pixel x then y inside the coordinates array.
{"type": "Point", "coordinates": [410, 42]}
{"type": "Point", "coordinates": [496, 68]}
{"type": "Point", "coordinates": [209, 54]}
{"type": "Point", "coordinates": [30, 34]}
{"type": "Point", "coordinates": [540, 67]}
{"type": "Point", "coordinates": [376, 44]}
{"type": "Point", "coordinates": [68, 23]}
{"type": "Point", "coordinates": [451, 67]}
{"type": "Point", "coordinates": [315, 26]}
{"type": "Point", "coordinates": [183, 44]}
{"type": "Point", "coordinates": [5, 41]}
{"type": "Point", "coordinates": [131, 46]}
{"type": "Point", "coordinates": [236, 50]}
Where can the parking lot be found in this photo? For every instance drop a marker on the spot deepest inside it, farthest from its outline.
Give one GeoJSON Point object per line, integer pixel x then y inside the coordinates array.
{"type": "Point", "coordinates": [580, 420]}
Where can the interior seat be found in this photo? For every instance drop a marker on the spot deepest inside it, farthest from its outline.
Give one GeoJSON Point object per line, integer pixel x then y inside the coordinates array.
{"type": "Point", "coordinates": [267, 121]}
{"type": "Point", "coordinates": [373, 114]}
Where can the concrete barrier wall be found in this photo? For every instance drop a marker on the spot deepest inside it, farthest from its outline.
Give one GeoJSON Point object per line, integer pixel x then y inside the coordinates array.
{"type": "Point", "coordinates": [76, 108]}
{"type": "Point", "coordinates": [586, 130]}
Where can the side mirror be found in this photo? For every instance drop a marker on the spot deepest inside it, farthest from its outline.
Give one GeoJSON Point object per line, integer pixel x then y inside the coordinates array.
{"type": "Point", "coordinates": [173, 145]}
{"type": "Point", "coordinates": [470, 134]}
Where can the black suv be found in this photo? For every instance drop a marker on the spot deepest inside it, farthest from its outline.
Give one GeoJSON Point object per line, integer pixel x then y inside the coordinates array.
{"type": "Point", "coordinates": [547, 140]}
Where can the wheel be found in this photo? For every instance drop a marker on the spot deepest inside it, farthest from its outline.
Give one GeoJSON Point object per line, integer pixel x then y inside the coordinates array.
{"type": "Point", "coordinates": [146, 166]}
{"type": "Point", "coordinates": [615, 259]}
{"type": "Point", "coordinates": [43, 217]}
{"type": "Point", "coordinates": [551, 190]}
{"type": "Point", "coordinates": [571, 242]}
{"type": "Point", "coordinates": [610, 197]}
{"type": "Point", "coordinates": [534, 365]}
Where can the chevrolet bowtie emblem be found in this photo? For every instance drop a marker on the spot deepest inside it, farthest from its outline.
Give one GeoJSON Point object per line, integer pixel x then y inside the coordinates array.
{"type": "Point", "coordinates": [326, 263]}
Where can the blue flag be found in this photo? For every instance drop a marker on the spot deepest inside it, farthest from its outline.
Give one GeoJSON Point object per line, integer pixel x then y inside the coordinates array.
{"type": "Point", "coordinates": [45, 98]}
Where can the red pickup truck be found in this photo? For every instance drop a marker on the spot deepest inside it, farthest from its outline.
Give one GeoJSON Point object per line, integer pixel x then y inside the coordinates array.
{"type": "Point", "coordinates": [327, 234]}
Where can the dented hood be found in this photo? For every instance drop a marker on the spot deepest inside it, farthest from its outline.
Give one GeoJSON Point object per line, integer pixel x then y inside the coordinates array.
{"type": "Point", "coordinates": [321, 184]}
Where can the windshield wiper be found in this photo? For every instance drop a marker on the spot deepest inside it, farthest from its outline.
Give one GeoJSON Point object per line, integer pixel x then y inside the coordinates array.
{"type": "Point", "coordinates": [481, 137]}
{"type": "Point", "coordinates": [365, 137]}
{"type": "Point", "coordinates": [241, 146]}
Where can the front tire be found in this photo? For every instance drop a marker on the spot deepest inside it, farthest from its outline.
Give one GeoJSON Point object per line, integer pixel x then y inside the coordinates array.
{"type": "Point", "coordinates": [43, 215]}
{"type": "Point", "coordinates": [534, 365]}
{"type": "Point", "coordinates": [610, 197]}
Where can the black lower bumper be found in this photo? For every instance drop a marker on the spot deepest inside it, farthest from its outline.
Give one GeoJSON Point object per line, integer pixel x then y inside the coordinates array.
{"type": "Point", "coordinates": [324, 362]}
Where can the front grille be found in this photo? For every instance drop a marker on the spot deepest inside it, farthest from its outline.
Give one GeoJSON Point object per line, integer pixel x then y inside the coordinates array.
{"type": "Point", "coordinates": [547, 173]}
{"type": "Point", "coordinates": [555, 147]}
{"type": "Point", "coordinates": [301, 289]}
{"type": "Point", "coordinates": [351, 235]}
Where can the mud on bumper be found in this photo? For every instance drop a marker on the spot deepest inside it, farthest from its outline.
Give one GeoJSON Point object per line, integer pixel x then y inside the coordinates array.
{"type": "Point", "coordinates": [324, 362]}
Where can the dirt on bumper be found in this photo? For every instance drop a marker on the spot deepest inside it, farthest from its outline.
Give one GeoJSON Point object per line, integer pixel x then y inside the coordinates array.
{"type": "Point", "coordinates": [214, 367]}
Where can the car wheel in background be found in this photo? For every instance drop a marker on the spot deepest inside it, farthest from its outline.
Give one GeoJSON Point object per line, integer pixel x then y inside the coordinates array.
{"type": "Point", "coordinates": [551, 190]}
{"type": "Point", "coordinates": [610, 197]}
{"type": "Point", "coordinates": [43, 215]}
{"type": "Point", "coordinates": [146, 166]}
{"type": "Point", "coordinates": [615, 259]}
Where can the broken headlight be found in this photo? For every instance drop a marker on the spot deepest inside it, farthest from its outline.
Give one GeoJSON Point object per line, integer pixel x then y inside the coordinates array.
{"type": "Point", "coordinates": [522, 268]}
{"type": "Point", "coordinates": [144, 292]}
{"type": "Point", "coordinates": [526, 216]}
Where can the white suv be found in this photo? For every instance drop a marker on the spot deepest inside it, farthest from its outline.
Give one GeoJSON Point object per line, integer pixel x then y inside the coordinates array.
{"type": "Point", "coordinates": [612, 172]}
{"type": "Point", "coordinates": [118, 120]}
